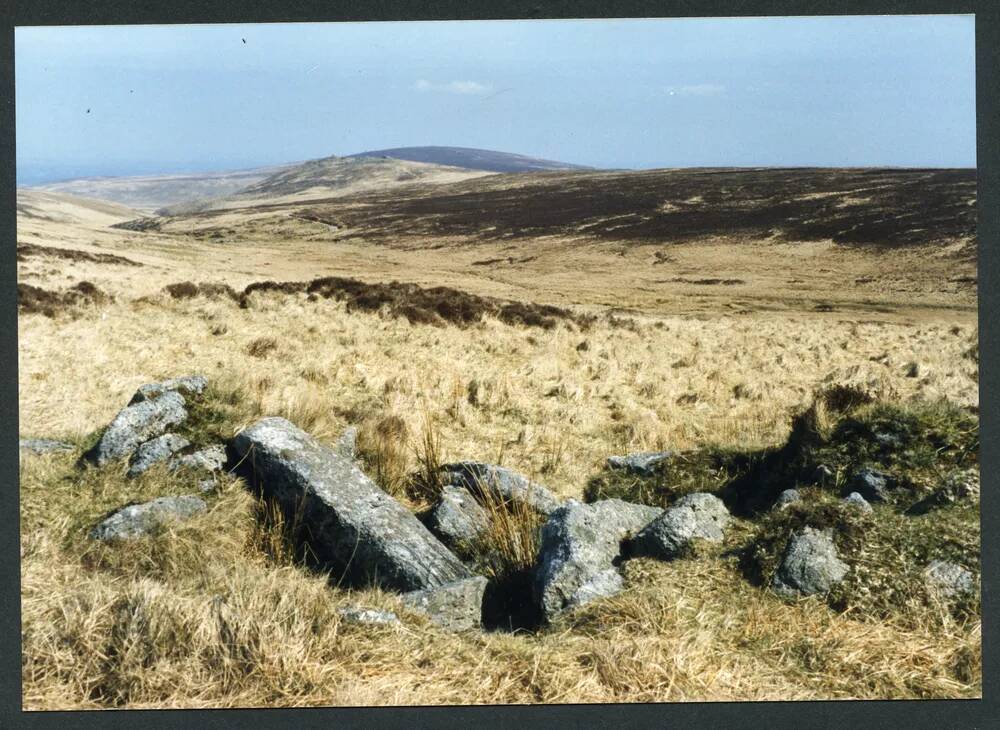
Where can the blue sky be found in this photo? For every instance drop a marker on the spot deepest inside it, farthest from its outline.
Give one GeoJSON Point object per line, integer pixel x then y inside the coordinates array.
{"type": "Point", "coordinates": [624, 93]}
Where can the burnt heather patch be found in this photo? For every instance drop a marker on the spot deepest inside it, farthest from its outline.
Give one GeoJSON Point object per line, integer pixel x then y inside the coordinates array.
{"type": "Point", "coordinates": [439, 305]}
{"type": "Point", "coordinates": [35, 300]}
{"type": "Point", "coordinates": [27, 250]}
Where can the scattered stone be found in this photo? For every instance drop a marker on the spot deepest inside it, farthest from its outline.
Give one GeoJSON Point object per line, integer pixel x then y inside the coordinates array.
{"type": "Point", "coordinates": [353, 526]}
{"type": "Point", "coordinates": [43, 446]}
{"type": "Point", "coordinates": [347, 444]}
{"type": "Point", "coordinates": [207, 485]}
{"type": "Point", "coordinates": [856, 501]}
{"type": "Point", "coordinates": [138, 520]}
{"type": "Point", "coordinates": [959, 486]}
{"type": "Point", "coordinates": [152, 452]}
{"type": "Point", "coordinates": [699, 516]}
{"type": "Point", "coordinates": [643, 464]}
{"type": "Point", "coordinates": [211, 459]}
{"type": "Point", "coordinates": [502, 483]}
{"type": "Point", "coordinates": [873, 485]}
{"type": "Point", "coordinates": [789, 496]}
{"type": "Point", "coordinates": [189, 385]}
{"type": "Point", "coordinates": [368, 616]}
{"type": "Point", "coordinates": [456, 606]}
{"type": "Point", "coordinates": [949, 580]}
{"type": "Point", "coordinates": [810, 565]}
{"type": "Point", "coordinates": [136, 424]}
{"type": "Point", "coordinates": [580, 545]}
{"type": "Point", "coordinates": [457, 518]}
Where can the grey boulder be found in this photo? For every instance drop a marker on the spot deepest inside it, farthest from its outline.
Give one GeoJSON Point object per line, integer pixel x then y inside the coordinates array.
{"type": "Point", "coordinates": [43, 446]}
{"type": "Point", "coordinates": [856, 501]}
{"type": "Point", "coordinates": [154, 451]}
{"type": "Point", "coordinates": [789, 496]}
{"type": "Point", "coordinates": [872, 484]}
{"type": "Point", "coordinates": [580, 545]}
{"type": "Point", "coordinates": [136, 424]}
{"type": "Point", "coordinates": [457, 606]}
{"type": "Point", "coordinates": [457, 518]}
{"type": "Point", "coordinates": [949, 580]}
{"type": "Point", "coordinates": [189, 385]}
{"type": "Point", "coordinates": [643, 463]}
{"type": "Point", "coordinates": [138, 520]}
{"type": "Point", "coordinates": [699, 516]}
{"type": "Point", "coordinates": [500, 483]}
{"type": "Point", "coordinates": [810, 565]}
{"type": "Point", "coordinates": [355, 528]}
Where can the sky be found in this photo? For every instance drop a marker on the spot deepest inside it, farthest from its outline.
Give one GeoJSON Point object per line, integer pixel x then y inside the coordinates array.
{"type": "Point", "coordinates": [645, 93]}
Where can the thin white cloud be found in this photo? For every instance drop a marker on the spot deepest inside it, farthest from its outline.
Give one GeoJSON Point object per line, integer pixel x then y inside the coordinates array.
{"type": "Point", "coordinates": [696, 90]}
{"type": "Point", "coordinates": [453, 87]}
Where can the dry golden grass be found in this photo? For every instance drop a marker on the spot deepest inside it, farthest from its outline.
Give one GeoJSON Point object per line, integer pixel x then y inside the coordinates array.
{"type": "Point", "coordinates": [220, 612]}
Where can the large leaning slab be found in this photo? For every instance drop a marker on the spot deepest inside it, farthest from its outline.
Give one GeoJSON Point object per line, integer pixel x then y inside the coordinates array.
{"type": "Point", "coordinates": [139, 520]}
{"type": "Point", "coordinates": [136, 424]}
{"type": "Point", "coordinates": [189, 385]}
{"type": "Point", "coordinates": [354, 527]}
{"type": "Point", "coordinates": [580, 546]}
{"type": "Point", "coordinates": [501, 483]}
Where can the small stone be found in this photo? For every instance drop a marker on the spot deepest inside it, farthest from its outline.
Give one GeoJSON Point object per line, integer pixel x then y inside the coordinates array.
{"type": "Point", "coordinates": [789, 496]}
{"type": "Point", "coordinates": [873, 485]}
{"type": "Point", "coordinates": [457, 606]}
{"type": "Point", "coordinates": [138, 520]}
{"type": "Point", "coordinates": [368, 616]}
{"type": "Point", "coordinates": [189, 385]}
{"type": "Point", "coordinates": [699, 516]}
{"type": "Point", "coordinates": [154, 451]}
{"type": "Point", "coordinates": [347, 444]}
{"type": "Point", "coordinates": [43, 446]}
{"type": "Point", "coordinates": [643, 463]}
{"type": "Point", "coordinates": [949, 580]}
{"type": "Point", "coordinates": [211, 459]}
{"type": "Point", "coordinates": [856, 501]}
{"type": "Point", "coordinates": [810, 565]}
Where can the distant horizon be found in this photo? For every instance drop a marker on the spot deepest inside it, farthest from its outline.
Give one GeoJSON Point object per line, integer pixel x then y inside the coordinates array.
{"type": "Point", "coordinates": [836, 91]}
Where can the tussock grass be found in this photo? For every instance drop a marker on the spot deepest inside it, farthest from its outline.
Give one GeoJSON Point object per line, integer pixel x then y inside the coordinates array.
{"type": "Point", "coordinates": [221, 612]}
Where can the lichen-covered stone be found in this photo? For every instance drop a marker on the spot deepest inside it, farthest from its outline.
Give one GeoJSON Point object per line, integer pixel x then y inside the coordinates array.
{"type": "Point", "coordinates": [189, 385]}
{"type": "Point", "coordinates": [210, 459]}
{"type": "Point", "coordinates": [154, 451]}
{"type": "Point", "coordinates": [580, 545]}
{"type": "Point", "coordinates": [643, 463]}
{"type": "Point", "coordinates": [872, 484]}
{"type": "Point", "coordinates": [368, 616]}
{"type": "Point", "coordinates": [950, 580]}
{"type": "Point", "coordinates": [457, 606]}
{"type": "Point", "coordinates": [789, 496]}
{"type": "Point", "coordinates": [353, 527]}
{"type": "Point", "coordinates": [43, 446]}
{"type": "Point", "coordinates": [699, 516]}
{"type": "Point", "coordinates": [856, 501]}
{"type": "Point", "coordinates": [810, 565]}
{"type": "Point", "coordinates": [502, 483]}
{"type": "Point", "coordinates": [139, 520]}
{"type": "Point", "coordinates": [347, 444]}
{"type": "Point", "coordinates": [135, 424]}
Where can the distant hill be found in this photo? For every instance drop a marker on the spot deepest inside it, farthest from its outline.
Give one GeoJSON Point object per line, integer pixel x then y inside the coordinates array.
{"type": "Point", "coordinates": [472, 159]}
{"type": "Point", "coordinates": [35, 206]}
{"type": "Point", "coordinates": [329, 177]}
{"type": "Point", "coordinates": [147, 193]}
